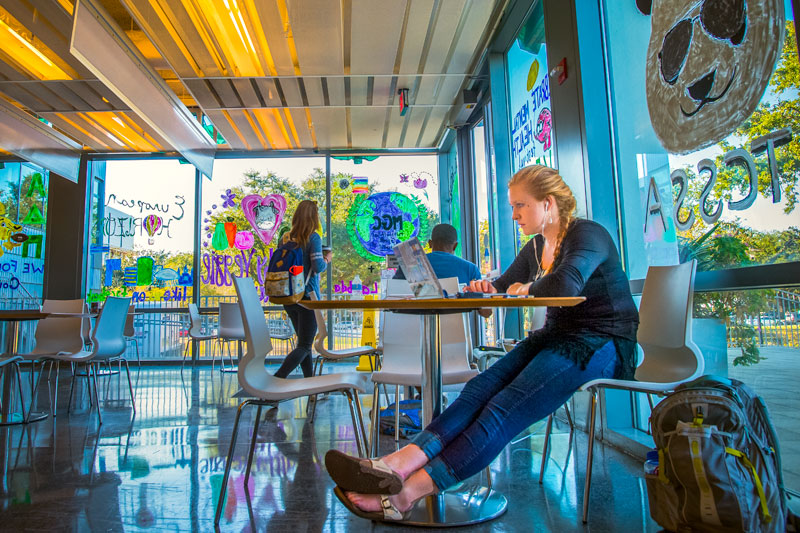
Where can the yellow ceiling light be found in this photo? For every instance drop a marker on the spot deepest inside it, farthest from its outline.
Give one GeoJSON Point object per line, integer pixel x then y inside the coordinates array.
{"type": "Point", "coordinates": [27, 53]}
{"type": "Point", "coordinates": [223, 30]}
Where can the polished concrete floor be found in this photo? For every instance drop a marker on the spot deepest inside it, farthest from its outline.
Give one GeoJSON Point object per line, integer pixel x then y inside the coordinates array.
{"type": "Point", "coordinates": [162, 469]}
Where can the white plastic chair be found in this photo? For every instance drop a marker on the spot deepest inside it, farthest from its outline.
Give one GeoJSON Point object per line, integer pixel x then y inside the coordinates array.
{"type": "Point", "coordinates": [665, 334]}
{"type": "Point", "coordinates": [54, 336]}
{"type": "Point", "coordinates": [282, 330]}
{"type": "Point", "coordinates": [266, 389]}
{"type": "Point", "coordinates": [402, 362]}
{"type": "Point", "coordinates": [108, 345]}
{"type": "Point", "coordinates": [326, 354]}
{"type": "Point", "coordinates": [231, 328]}
{"type": "Point", "coordinates": [195, 332]}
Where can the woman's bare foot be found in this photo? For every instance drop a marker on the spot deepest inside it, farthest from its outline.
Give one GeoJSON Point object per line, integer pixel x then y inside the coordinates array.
{"type": "Point", "coordinates": [417, 486]}
{"type": "Point", "coordinates": [406, 460]}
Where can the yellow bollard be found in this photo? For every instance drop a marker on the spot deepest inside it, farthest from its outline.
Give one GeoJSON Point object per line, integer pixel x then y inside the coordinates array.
{"type": "Point", "coordinates": [367, 363]}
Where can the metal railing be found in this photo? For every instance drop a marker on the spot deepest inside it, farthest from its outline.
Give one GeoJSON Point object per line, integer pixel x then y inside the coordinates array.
{"type": "Point", "coordinates": [776, 324]}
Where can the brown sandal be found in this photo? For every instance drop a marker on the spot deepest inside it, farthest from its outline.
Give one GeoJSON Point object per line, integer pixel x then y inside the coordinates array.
{"type": "Point", "coordinates": [366, 476]}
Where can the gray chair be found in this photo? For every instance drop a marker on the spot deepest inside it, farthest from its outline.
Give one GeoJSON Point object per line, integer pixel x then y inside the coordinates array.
{"type": "Point", "coordinates": [55, 336]}
{"type": "Point", "coordinates": [231, 328]}
{"type": "Point", "coordinates": [195, 332]}
{"type": "Point", "coordinates": [108, 345]}
{"type": "Point", "coordinates": [266, 389]}
{"type": "Point", "coordinates": [11, 364]}
{"type": "Point", "coordinates": [282, 329]}
{"type": "Point", "coordinates": [665, 334]}
{"type": "Point", "coordinates": [130, 332]}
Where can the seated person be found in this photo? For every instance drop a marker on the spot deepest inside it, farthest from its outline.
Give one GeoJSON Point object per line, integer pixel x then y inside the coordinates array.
{"type": "Point", "coordinates": [443, 243]}
{"type": "Point", "coordinates": [594, 339]}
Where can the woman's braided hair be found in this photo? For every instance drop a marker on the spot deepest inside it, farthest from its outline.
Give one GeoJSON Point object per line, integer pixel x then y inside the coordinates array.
{"type": "Point", "coordinates": [541, 182]}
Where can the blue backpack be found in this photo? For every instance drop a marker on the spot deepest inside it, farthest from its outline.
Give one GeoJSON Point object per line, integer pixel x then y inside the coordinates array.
{"type": "Point", "coordinates": [284, 283]}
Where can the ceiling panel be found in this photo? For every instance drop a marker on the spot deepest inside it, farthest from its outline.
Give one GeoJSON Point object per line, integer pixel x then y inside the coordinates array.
{"type": "Point", "coordinates": [269, 92]}
{"type": "Point", "coordinates": [273, 37]}
{"type": "Point", "coordinates": [419, 20]}
{"type": "Point", "coordinates": [336, 91]}
{"type": "Point", "coordinates": [317, 29]}
{"type": "Point", "coordinates": [301, 125]}
{"type": "Point", "coordinates": [313, 87]}
{"type": "Point", "coordinates": [291, 92]}
{"type": "Point", "coordinates": [381, 91]}
{"type": "Point", "coordinates": [286, 63]}
{"type": "Point", "coordinates": [202, 93]}
{"type": "Point", "coordinates": [247, 94]}
{"type": "Point", "coordinates": [227, 96]}
{"type": "Point", "coordinates": [225, 126]}
{"type": "Point", "coordinates": [376, 29]}
{"type": "Point", "coordinates": [329, 125]}
{"type": "Point", "coordinates": [367, 126]}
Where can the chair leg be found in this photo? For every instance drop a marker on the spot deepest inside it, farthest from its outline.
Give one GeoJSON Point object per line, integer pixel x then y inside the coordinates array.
{"type": "Point", "coordinates": [71, 388]}
{"type": "Point", "coordinates": [94, 369]}
{"type": "Point", "coordinates": [374, 421]}
{"type": "Point", "coordinates": [138, 360]}
{"type": "Point", "coordinates": [185, 351]}
{"type": "Point", "coordinates": [569, 417]}
{"type": "Point", "coordinates": [19, 389]}
{"type": "Point", "coordinates": [589, 455]}
{"type": "Point", "coordinates": [228, 462]}
{"type": "Point", "coordinates": [130, 384]}
{"type": "Point", "coordinates": [252, 446]}
{"type": "Point", "coordinates": [358, 422]}
{"type": "Point", "coordinates": [649, 401]}
{"type": "Point", "coordinates": [54, 403]}
{"type": "Point", "coordinates": [397, 414]}
{"type": "Point", "coordinates": [546, 447]}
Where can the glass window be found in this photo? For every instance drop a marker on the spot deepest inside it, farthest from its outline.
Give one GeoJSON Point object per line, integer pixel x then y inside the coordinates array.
{"type": "Point", "coordinates": [23, 214]}
{"type": "Point", "coordinates": [735, 200]}
{"type": "Point", "coordinates": [142, 241]}
{"type": "Point", "coordinates": [730, 204]}
{"type": "Point", "coordinates": [378, 203]}
{"type": "Point", "coordinates": [246, 206]}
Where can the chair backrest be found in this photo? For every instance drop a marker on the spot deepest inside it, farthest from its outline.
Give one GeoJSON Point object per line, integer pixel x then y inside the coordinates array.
{"type": "Point", "coordinates": [665, 325]}
{"type": "Point", "coordinates": [281, 329]}
{"type": "Point", "coordinates": [107, 338]}
{"type": "Point", "coordinates": [196, 328]}
{"type": "Point", "coordinates": [129, 329]}
{"type": "Point", "coordinates": [322, 330]}
{"type": "Point", "coordinates": [402, 334]}
{"type": "Point", "coordinates": [230, 321]}
{"type": "Point", "coordinates": [55, 335]}
{"type": "Point", "coordinates": [455, 341]}
{"type": "Point", "coordinates": [253, 375]}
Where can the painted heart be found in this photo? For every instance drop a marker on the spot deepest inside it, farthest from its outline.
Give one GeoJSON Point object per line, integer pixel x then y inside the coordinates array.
{"type": "Point", "coordinates": [264, 213]}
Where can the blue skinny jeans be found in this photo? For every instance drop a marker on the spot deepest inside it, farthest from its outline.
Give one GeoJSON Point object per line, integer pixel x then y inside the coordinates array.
{"type": "Point", "coordinates": [496, 405]}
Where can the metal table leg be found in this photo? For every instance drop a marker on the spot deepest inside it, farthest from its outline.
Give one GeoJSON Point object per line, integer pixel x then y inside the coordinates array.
{"type": "Point", "coordinates": [461, 505]}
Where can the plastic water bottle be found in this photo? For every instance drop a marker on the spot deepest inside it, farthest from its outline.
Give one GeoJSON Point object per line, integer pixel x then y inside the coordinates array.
{"type": "Point", "coordinates": [358, 293]}
{"type": "Point", "coordinates": [651, 464]}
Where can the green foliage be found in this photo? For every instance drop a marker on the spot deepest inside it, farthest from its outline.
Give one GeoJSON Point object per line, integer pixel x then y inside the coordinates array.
{"type": "Point", "coordinates": [346, 261]}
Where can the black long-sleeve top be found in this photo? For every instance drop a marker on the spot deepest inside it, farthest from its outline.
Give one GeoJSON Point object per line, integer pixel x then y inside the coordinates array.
{"type": "Point", "coordinates": [587, 265]}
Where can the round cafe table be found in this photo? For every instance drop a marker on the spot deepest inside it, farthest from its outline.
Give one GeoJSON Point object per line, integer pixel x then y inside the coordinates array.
{"type": "Point", "coordinates": [459, 506]}
{"type": "Point", "coordinates": [13, 318]}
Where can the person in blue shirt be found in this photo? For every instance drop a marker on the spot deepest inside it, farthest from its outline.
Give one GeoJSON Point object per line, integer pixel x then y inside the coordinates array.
{"type": "Point", "coordinates": [443, 243]}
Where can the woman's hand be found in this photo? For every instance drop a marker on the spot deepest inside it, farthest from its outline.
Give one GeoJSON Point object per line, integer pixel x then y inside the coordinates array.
{"type": "Point", "coordinates": [521, 289]}
{"type": "Point", "coordinates": [481, 285]}
{"type": "Point", "coordinates": [327, 255]}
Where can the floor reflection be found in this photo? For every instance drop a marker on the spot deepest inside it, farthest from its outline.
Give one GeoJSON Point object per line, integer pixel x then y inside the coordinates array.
{"type": "Point", "coordinates": [161, 469]}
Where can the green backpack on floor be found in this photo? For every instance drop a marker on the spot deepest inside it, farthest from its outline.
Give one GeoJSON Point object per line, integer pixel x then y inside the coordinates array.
{"type": "Point", "coordinates": [719, 465]}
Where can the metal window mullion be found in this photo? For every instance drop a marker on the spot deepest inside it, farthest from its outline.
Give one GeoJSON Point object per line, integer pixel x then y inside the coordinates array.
{"type": "Point", "coordinates": [198, 213]}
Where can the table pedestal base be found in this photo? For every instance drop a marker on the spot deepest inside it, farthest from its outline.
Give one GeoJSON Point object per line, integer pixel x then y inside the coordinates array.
{"type": "Point", "coordinates": [12, 419]}
{"type": "Point", "coordinates": [458, 507]}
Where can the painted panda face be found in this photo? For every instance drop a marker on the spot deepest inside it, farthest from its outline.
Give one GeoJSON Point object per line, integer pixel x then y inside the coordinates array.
{"type": "Point", "coordinates": [708, 64]}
